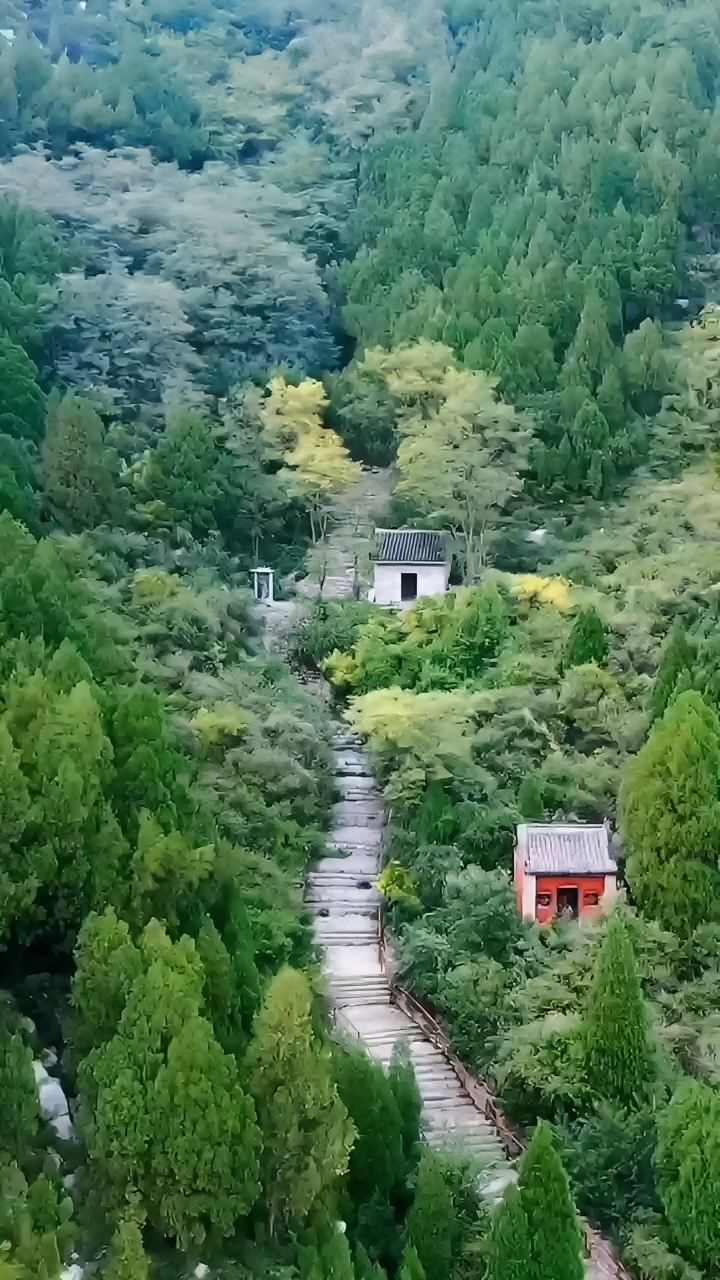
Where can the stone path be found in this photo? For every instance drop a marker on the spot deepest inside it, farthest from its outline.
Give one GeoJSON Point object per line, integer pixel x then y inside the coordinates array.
{"type": "Point", "coordinates": [342, 895]}
{"type": "Point", "coordinates": [343, 561]}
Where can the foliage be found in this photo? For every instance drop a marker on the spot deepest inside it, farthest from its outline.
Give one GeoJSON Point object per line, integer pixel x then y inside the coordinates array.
{"type": "Point", "coordinates": [587, 641]}
{"type": "Point", "coordinates": [676, 662]}
{"type": "Point", "coordinates": [462, 451]}
{"type": "Point", "coordinates": [688, 1161]}
{"type": "Point", "coordinates": [432, 1225]}
{"type": "Point", "coordinates": [160, 1096]}
{"type": "Point", "coordinates": [670, 811]}
{"type": "Point", "coordinates": [318, 464]}
{"type": "Point", "coordinates": [544, 1196]}
{"type": "Point", "coordinates": [618, 1051]}
{"type": "Point", "coordinates": [508, 1246]}
{"type": "Point", "coordinates": [306, 1126]}
{"type": "Point", "coordinates": [20, 1120]}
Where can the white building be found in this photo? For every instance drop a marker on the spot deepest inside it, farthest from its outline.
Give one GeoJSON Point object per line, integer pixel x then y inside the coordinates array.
{"type": "Point", "coordinates": [410, 563]}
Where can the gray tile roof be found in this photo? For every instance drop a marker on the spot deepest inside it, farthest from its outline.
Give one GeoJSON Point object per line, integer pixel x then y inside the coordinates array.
{"type": "Point", "coordinates": [559, 848]}
{"type": "Point", "coordinates": [411, 546]}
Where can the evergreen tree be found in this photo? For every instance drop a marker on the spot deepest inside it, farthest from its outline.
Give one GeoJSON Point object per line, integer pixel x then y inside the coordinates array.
{"type": "Point", "coordinates": [412, 1268]}
{"type": "Point", "coordinates": [376, 1159]}
{"type": "Point", "coordinates": [408, 1100]}
{"type": "Point", "coordinates": [20, 1111]}
{"type": "Point", "coordinates": [688, 1165]}
{"type": "Point", "coordinates": [670, 817]}
{"type": "Point", "coordinates": [20, 867]}
{"type": "Point", "coordinates": [432, 1223]}
{"type": "Point", "coordinates": [588, 640]}
{"type": "Point", "coordinates": [307, 1134]}
{"type": "Point", "coordinates": [618, 1053]}
{"type": "Point", "coordinates": [164, 1113]}
{"type": "Point", "coordinates": [80, 487]}
{"type": "Point", "coordinates": [364, 1268]}
{"type": "Point", "coordinates": [335, 1259]}
{"type": "Point", "coordinates": [530, 799]}
{"type": "Point", "coordinates": [180, 481]}
{"type": "Point", "coordinates": [677, 660]}
{"type": "Point", "coordinates": [556, 1241]}
{"type": "Point", "coordinates": [508, 1245]}
{"type": "Point", "coordinates": [128, 1259]}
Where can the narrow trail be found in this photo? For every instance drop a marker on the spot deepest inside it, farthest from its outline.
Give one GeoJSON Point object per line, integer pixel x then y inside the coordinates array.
{"type": "Point", "coordinates": [341, 892]}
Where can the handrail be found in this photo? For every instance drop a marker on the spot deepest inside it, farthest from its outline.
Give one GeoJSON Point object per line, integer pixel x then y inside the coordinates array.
{"type": "Point", "coordinates": [597, 1247]}
{"type": "Point", "coordinates": [477, 1090]}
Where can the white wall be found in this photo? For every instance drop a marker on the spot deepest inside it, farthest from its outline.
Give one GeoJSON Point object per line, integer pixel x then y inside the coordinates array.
{"type": "Point", "coordinates": [432, 581]}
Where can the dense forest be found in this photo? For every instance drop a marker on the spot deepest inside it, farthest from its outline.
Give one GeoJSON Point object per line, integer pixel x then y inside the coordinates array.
{"type": "Point", "coordinates": [246, 250]}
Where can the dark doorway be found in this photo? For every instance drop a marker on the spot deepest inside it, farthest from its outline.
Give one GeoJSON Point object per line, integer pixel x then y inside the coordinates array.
{"type": "Point", "coordinates": [408, 586]}
{"type": "Point", "coordinates": [567, 903]}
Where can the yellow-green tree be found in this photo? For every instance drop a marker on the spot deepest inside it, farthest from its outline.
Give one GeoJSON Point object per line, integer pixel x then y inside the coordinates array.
{"type": "Point", "coordinates": [319, 466]}
{"type": "Point", "coordinates": [462, 450]}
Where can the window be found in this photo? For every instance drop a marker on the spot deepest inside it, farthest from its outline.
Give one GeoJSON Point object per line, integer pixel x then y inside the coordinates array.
{"type": "Point", "coordinates": [591, 899]}
{"type": "Point", "coordinates": [544, 899]}
{"type": "Point", "coordinates": [408, 586]}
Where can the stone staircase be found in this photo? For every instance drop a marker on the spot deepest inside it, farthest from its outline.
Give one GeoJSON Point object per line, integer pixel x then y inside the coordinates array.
{"type": "Point", "coordinates": [342, 562]}
{"type": "Point", "coordinates": [342, 895]}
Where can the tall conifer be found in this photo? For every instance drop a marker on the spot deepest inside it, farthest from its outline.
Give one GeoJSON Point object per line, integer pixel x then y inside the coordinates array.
{"type": "Point", "coordinates": [432, 1223]}
{"type": "Point", "coordinates": [556, 1241]}
{"type": "Point", "coordinates": [670, 817]}
{"type": "Point", "coordinates": [508, 1242]}
{"type": "Point", "coordinates": [618, 1053]}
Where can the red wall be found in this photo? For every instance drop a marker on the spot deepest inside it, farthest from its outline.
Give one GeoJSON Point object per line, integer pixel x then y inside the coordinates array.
{"type": "Point", "coordinates": [584, 885]}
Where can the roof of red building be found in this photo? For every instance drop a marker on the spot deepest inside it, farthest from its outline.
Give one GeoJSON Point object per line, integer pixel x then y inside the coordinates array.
{"type": "Point", "coordinates": [565, 848]}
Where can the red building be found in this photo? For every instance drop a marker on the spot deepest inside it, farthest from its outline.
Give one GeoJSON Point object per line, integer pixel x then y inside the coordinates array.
{"type": "Point", "coordinates": [563, 869]}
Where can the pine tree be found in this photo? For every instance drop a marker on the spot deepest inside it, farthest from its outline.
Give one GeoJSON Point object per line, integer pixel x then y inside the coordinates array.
{"type": "Point", "coordinates": [618, 1053]}
{"type": "Point", "coordinates": [412, 1268]}
{"type": "Point", "coordinates": [530, 799]}
{"type": "Point", "coordinates": [20, 1111]}
{"type": "Point", "coordinates": [677, 659]}
{"type": "Point", "coordinates": [688, 1165]}
{"type": "Point", "coordinates": [588, 640]}
{"type": "Point", "coordinates": [432, 1223]}
{"type": "Point", "coordinates": [335, 1259]}
{"type": "Point", "coordinates": [80, 487]}
{"type": "Point", "coordinates": [364, 1268]}
{"type": "Point", "coordinates": [670, 817]}
{"type": "Point", "coordinates": [307, 1134]}
{"type": "Point", "coordinates": [508, 1246]}
{"type": "Point", "coordinates": [408, 1099]}
{"type": "Point", "coordinates": [556, 1241]}
{"type": "Point", "coordinates": [128, 1259]}
{"type": "Point", "coordinates": [19, 866]}
{"type": "Point", "coordinates": [376, 1159]}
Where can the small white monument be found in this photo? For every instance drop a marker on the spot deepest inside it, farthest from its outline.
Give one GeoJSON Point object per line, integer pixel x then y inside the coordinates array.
{"type": "Point", "coordinates": [263, 587]}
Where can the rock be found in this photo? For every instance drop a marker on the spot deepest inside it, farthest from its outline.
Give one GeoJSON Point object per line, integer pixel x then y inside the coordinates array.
{"type": "Point", "coordinates": [52, 1098]}
{"type": "Point", "coordinates": [201, 1270]}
